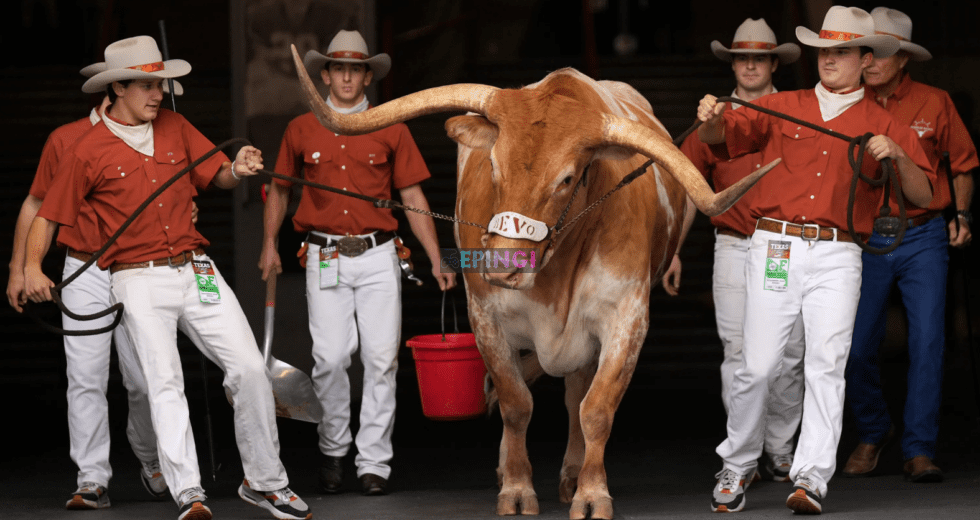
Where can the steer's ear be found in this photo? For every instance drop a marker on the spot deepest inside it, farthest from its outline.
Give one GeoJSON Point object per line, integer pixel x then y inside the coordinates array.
{"type": "Point", "coordinates": [613, 153]}
{"type": "Point", "coordinates": [472, 131]}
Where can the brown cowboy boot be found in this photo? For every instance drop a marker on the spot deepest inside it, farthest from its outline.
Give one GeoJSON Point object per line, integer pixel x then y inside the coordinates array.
{"type": "Point", "coordinates": [864, 458]}
{"type": "Point", "coordinates": [921, 469]}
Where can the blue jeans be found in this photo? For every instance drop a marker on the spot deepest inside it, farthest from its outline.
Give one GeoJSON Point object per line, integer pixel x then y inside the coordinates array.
{"type": "Point", "coordinates": [919, 267]}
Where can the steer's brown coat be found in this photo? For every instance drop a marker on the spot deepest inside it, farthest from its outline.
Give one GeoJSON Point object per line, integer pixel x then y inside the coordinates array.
{"type": "Point", "coordinates": [585, 314]}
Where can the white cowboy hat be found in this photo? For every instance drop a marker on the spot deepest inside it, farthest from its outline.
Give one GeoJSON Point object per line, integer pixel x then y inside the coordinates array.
{"type": "Point", "coordinates": [895, 23]}
{"type": "Point", "coordinates": [348, 47]}
{"type": "Point", "coordinates": [755, 37]}
{"type": "Point", "coordinates": [96, 68]}
{"type": "Point", "coordinates": [848, 27]}
{"type": "Point", "coordinates": [134, 58]}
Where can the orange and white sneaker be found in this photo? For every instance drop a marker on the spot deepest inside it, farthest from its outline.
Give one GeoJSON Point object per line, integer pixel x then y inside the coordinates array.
{"type": "Point", "coordinates": [90, 495]}
{"type": "Point", "coordinates": [282, 503]}
{"type": "Point", "coordinates": [805, 498]}
{"type": "Point", "coordinates": [729, 493]}
{"type": "Point", "coordinates": [191, 502]}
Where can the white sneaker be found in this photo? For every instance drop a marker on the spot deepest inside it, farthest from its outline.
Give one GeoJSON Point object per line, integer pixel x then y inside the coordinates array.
{"type": "Point", "coordinates": [153, 479]}
{"type": "Point", "coordinates": [89, 495]}
{"type": "Point", "coordinates": [779, 466]}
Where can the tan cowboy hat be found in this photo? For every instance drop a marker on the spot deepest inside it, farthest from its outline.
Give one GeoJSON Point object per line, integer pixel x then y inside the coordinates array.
{"type": "Point", "coordinates": [134, 58]}
{"type": "Point", "coordinates": [96, 68]}
{"type": "Point", "coordinates": [848, 27]}
{"type": "Point", "coordinates": [755, 37]}
{"type": "Point", "coordinates": [893, 22]}
{"type": "Point", "coordinates": [347, 47]}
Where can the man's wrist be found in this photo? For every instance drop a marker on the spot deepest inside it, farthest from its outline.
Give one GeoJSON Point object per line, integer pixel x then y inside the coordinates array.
{"type": "Point", "coordinates": [965, 215]}
{"type": "Point", "coordinates": [237, 178]}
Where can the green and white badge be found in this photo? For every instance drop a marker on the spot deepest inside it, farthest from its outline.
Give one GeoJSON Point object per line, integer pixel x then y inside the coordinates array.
{"type": "Point", "coordinates": [329, 267]}
{"type": "Point", "coordinates": [207, 282]}
{"type": "Point", "coordinates": [777, 266]}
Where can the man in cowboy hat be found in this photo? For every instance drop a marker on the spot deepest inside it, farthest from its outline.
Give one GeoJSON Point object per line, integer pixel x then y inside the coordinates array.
{"type": "Point", "coordinates": [160, 272]}
{"type": "Point", "coordinates": [801, 261]}
{"type": "Point", "coordinates": [754, 57]}
{"type": "Point", "coordinates": [87, 356]}
{"type": "Point", "coordinates": [918, 266]}
{"type": "Point", "coordinates": [353, 284]}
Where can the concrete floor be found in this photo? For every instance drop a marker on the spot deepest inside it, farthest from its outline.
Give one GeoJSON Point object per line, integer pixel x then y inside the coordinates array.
{"type": "Point", "coordinates": [660, 462]}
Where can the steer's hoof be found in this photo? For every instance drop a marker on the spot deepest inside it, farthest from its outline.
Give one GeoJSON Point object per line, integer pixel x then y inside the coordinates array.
{"type": "Point", "coordinates": [566, 489]}
{"type": "Point", "coordinates": [601, 509]}
{"type": "Point", "coordinates": [510, 503]}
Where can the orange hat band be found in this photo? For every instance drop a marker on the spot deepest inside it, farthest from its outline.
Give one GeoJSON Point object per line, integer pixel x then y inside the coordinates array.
{"type": "Point", "coordinates": [839, 36]}
{"type": "Point", "coordinates": [348, 54]}
{"type": "Point", "coordinates": [890, 34]}
{"type": "Point", "coordinates": [149, 67]}
{"type": "Point", "coordinates": [754, 45]}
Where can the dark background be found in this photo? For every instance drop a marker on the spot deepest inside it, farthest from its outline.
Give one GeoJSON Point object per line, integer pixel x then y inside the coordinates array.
{"type": "Point", "coordinates": [506, 43]}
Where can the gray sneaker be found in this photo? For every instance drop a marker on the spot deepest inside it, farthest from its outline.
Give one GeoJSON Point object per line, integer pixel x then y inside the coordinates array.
{"type": "Point", "coordinates": [805, 498]}
{"type": "Point", "coordinates": [89, 495]}
{"type": "Point", "coordinates": [779, 466]}
{"type": "Point", "coordinates": [282, 504]}
{"type": "Point", "coordinates": [191, 503]}
{"type": "Point", "coordinates": [729, 493]}
{"type": "Point", "coordinates": [153, 479]}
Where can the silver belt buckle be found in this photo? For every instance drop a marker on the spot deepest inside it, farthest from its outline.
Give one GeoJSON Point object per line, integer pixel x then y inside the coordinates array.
{"type": "Point", "coordinates": [816, 238]}
{"type": "Point", "coordinates": [352, 246]}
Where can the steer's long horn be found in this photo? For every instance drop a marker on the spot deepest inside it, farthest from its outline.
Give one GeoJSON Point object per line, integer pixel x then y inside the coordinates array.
{"type": "Point", "coordinates": [634, 136]}
{"type": "Point", "coordinates": [468, 97]}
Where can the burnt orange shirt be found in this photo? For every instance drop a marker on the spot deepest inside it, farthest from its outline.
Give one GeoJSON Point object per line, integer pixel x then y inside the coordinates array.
{"type": "Point", "coordinates": [722, 173]}
{"type": "Point", "coordinates": [930, 113]}
{"type": "Point", "coordinates": [811, 184]}
{"type": "Point", "coordinates": [84, 235]}
{"type": "Point", "coordinates": [370, 164]}
{"type": "Point", "coordinates": [115, 179]}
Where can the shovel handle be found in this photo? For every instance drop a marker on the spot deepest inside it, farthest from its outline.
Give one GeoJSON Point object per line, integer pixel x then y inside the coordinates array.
{"type": "Point", "coordinates": [270, 310]}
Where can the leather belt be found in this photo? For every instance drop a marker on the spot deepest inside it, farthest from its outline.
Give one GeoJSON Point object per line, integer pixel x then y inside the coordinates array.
{"type": "Point", "coordinates": [352, 246]}
{"type": "Point", "coordinates": [172, 261]}
{"type": "Point", "coordinates": [80, 255]}
{"type": "Point", "coordinates": [804, 231]}
{"type": "Point", "coordinates": [732, 233]}
{"type": "Point", "coordinates": [923, 218]}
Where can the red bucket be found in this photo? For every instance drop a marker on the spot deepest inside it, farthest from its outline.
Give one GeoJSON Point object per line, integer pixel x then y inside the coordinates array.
{"type": "Point", "coordinates": [451, 374]}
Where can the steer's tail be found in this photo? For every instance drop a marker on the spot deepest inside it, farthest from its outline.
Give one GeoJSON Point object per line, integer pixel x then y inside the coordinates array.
{"type": "Point", "coordinates": [531, 369]}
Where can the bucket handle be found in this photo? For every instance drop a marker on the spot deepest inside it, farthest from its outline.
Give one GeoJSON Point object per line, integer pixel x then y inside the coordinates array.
{"type": "Point", "coordinates": [443, 316]}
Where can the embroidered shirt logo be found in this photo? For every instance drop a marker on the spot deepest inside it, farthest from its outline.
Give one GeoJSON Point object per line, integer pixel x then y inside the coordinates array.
{"type": "Point", "coordinates": [922, 127]}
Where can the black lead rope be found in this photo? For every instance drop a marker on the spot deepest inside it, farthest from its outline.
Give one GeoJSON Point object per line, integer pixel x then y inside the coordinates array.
{"type": "Point", "coordinates": [885, 224]}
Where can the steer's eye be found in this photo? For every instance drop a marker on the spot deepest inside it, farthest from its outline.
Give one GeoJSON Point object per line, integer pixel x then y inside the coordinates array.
{"type": "Point", "coordinates": [568, 180]}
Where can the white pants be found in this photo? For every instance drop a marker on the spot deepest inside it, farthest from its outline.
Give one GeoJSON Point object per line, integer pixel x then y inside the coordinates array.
{"type": "Point", "coordinates": [363, 309]}
{"type": "Point", "coordinates": [88, 379]}
{"type": "Point", "coordinates": [824, 285]}
{"type": "Point", "coordinates": [160, 300]}
{"type": "Point", "coordinates": [785, 403]}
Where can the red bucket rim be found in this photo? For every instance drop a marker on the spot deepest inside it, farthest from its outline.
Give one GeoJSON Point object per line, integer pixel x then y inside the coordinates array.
{"type": "Point", "coordinates": [453, 340]}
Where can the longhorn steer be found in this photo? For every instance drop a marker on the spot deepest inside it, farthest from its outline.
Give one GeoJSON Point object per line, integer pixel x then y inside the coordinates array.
{"type": "Point", "coordinates": [585, 314]}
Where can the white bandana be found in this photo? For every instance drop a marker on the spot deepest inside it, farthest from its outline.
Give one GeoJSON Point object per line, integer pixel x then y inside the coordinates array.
{"type": "Point", "coordinates": [833, 105]}
{"type": "Point", "coordinates": [139, 138]}
{"type": "Point", "coordinates": [360, 107]}
{"type": "Point", "coordinates": [94, 116]}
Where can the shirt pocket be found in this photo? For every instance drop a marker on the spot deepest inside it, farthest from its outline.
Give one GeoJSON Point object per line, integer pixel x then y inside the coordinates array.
{"type": "Point", "coordinates": [122, 180]}
{"type": "Point", "coordinates": [374, 175]}
{"type": "Point", "coordinates": [798, 145]}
